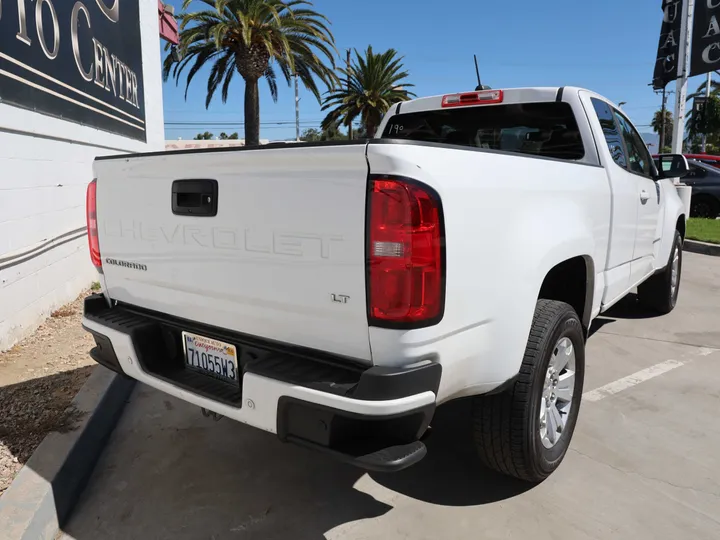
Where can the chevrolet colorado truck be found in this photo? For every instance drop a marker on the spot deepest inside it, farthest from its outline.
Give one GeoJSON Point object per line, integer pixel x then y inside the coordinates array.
{"type": "Point", "coordinates": [336, 293]}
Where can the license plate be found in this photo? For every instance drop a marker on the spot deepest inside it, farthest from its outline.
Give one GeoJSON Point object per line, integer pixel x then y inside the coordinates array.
{"type": "Point", "coordinates": [211, 357]}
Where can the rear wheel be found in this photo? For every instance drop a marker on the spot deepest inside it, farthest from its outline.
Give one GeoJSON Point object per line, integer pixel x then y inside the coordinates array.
{"type": "Point", "coordinates": [525, 431]}
{"type": "Point", "coordinates": [660, 292]}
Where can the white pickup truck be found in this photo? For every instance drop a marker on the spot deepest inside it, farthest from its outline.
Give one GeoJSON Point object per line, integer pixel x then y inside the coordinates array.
{"type": "Point", "coordinates": [336, 293]}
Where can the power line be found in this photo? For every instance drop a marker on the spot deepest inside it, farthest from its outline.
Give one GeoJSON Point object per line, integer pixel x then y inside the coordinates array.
{"type": "Point", "coordinates": [218, 123]}
{"type": "Point", "coordinates": [183, 120]}
{"type": "Point", "coordinates": [226, 126]}
{"type": "Point", "coordinates": [222, 128]}
{"type": "Point", "coordinates": [641, 107]}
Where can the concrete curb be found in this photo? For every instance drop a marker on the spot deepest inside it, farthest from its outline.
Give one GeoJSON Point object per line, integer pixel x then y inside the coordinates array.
{"type": "Point", "coordinates": [694, 246]}
{"type": "Point", "coordinates": [44, 492]}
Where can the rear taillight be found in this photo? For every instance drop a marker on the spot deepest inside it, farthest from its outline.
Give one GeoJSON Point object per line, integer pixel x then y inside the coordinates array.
{"type": "Point", "coordinates": [406, 259]}
{"type": "Point", "coordinates": [92, 226]}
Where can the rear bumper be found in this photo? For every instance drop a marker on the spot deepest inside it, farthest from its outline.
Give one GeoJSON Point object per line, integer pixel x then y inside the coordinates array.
{"type": "Point", "coordinates": [372, 417]}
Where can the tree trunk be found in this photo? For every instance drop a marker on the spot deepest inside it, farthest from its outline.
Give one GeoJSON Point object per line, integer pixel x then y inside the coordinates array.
{"type": "Point", "coordinates": [252, 113]}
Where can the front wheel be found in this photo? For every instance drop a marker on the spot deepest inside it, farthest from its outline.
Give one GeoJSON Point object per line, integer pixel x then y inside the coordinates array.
{"type": "Point", "coordinates": [525, 431]}
{"type": "Point", "coordinates": [660, 292]}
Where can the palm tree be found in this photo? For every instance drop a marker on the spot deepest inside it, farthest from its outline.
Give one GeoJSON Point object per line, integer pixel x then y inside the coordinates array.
{"type": "Point", "coordinates": [334, 133]}
{"type": "Point", "coordinates": [371, 85]}
{"type": "Point", "coordinates": [657, 124]}
{"type": "Point", "coordinates": [252, 37]}
{"type": "Point", "coordinates": [714, 87]}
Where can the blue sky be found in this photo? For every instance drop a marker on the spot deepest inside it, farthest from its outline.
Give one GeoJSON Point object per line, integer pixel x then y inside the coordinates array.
{"type": "Point", "coordinates": [607, 46]}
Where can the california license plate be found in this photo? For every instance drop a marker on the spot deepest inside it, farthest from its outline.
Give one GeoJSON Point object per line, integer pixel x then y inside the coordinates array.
{"type": "Point", "coordinates": [211, 357]}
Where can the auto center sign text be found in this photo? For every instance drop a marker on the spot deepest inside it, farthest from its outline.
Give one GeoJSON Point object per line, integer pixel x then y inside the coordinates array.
{"type": "Point", "coordinates": [78, 60]}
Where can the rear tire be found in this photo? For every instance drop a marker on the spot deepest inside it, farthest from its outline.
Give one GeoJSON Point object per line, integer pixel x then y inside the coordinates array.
{"type": "Point", "coordinates": [510, 435]}
{"type": "Point", "coordinates": [660, 292]}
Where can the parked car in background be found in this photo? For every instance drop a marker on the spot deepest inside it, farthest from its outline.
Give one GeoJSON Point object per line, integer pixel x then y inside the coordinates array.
{"type": "Point", "coordinates": [704, 177]}
{"type": "Point", "coordinates": [713, 161]}
{"type": "Point", "coordinates": [705, 182]}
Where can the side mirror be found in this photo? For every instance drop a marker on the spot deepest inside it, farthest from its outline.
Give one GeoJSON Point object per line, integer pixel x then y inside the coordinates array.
{"type": "Point", "coordinates": [671, 166]}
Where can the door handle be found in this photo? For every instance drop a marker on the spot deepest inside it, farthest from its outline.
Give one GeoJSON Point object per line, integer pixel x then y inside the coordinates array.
{"type": "Point", "coordinates": [644, 196]}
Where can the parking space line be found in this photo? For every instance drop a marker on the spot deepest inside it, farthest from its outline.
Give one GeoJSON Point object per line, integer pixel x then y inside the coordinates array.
{"type": "Point", "coordinates": [640, 376]}
{"type": "Point", "coordinates": [631, 380]}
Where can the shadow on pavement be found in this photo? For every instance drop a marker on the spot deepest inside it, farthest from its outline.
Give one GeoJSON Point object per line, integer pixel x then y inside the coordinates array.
{"type": "Point", "coordinates": [451, 474]}
{"type": "Point", "coordinates": [631, 308]}
{"type": "Point", "coordinates": [169, 473]}
{"type": "Point", "coordinates": [627, 308]}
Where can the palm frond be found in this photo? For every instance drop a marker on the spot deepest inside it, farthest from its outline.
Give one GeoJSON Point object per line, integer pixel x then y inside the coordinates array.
{"type": "Point", "coordinates": [252, 38]}
{"type": "Point", "coordinates": [367, 89]}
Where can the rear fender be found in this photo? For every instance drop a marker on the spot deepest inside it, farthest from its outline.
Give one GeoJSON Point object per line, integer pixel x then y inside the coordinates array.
{"type": "Point", "coordinates": [538, 245]}
{"type": "Point", "coordinates": [554, 242]}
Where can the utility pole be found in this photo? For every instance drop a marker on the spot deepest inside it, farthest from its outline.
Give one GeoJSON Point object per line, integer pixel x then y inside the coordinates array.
{"type": "Point", "coordinates": [347, 67]}
{"type": "Point", "coordinates": [297, 110]}
{"type": "Point", "coordinates": [707, 98]}
{"type": "Point", "coordinates": [681, 90]}
{"type": "Point", "coordinates": [663, 118]}
{"type": "Point", "coordinates": [662, 121]}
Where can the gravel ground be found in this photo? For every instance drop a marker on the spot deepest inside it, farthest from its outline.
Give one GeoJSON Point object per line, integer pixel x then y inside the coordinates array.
{"type": "Point", "coordinates": [39, 378]}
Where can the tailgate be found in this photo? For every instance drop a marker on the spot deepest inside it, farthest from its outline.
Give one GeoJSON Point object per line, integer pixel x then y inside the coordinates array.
{"type": "Point", "coordinates": [283, 258]}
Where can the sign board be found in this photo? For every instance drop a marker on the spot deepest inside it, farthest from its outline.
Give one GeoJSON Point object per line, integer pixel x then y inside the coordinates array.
{"type": "Point", "coordinates": [698, 110]}
{"type": "Point", "coordinates": [705, 56]}
{"type": "Point", "coordinates": [699, 104]}
{"type": "Point", "coordinates": [77, 60]}
{"type": "Point", "coordinates": [666, 61]}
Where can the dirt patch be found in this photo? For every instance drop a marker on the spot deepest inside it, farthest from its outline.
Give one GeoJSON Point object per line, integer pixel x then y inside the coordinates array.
{"type": "Point", "coordinates": [39, 378]}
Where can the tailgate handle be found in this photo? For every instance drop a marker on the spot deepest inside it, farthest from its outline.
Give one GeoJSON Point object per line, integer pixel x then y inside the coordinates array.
{"type": "Point", "coordinates": [194, 197]}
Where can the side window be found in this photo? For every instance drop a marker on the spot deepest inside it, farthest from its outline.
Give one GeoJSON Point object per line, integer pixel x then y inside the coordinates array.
{"type": "Point", "coordinates": [638, 154]}
{"type": "Point", "coordinates": [610, 130]}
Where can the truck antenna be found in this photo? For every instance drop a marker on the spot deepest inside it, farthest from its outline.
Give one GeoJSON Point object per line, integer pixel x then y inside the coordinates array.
{"type": "Point", "coordinates": [480, 85]}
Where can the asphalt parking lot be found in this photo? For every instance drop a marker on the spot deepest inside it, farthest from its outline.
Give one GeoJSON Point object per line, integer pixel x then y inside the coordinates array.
{"type": "Point", "coordinates": [644, 463]}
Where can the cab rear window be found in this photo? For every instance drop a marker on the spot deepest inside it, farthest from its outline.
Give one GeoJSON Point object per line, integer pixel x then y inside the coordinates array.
{"type": "Point", "coordinates": [539, 129]}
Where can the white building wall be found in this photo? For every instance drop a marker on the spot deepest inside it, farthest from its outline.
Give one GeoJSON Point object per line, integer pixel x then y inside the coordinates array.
{"type": "Point", "coordinates": [45, 166]}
